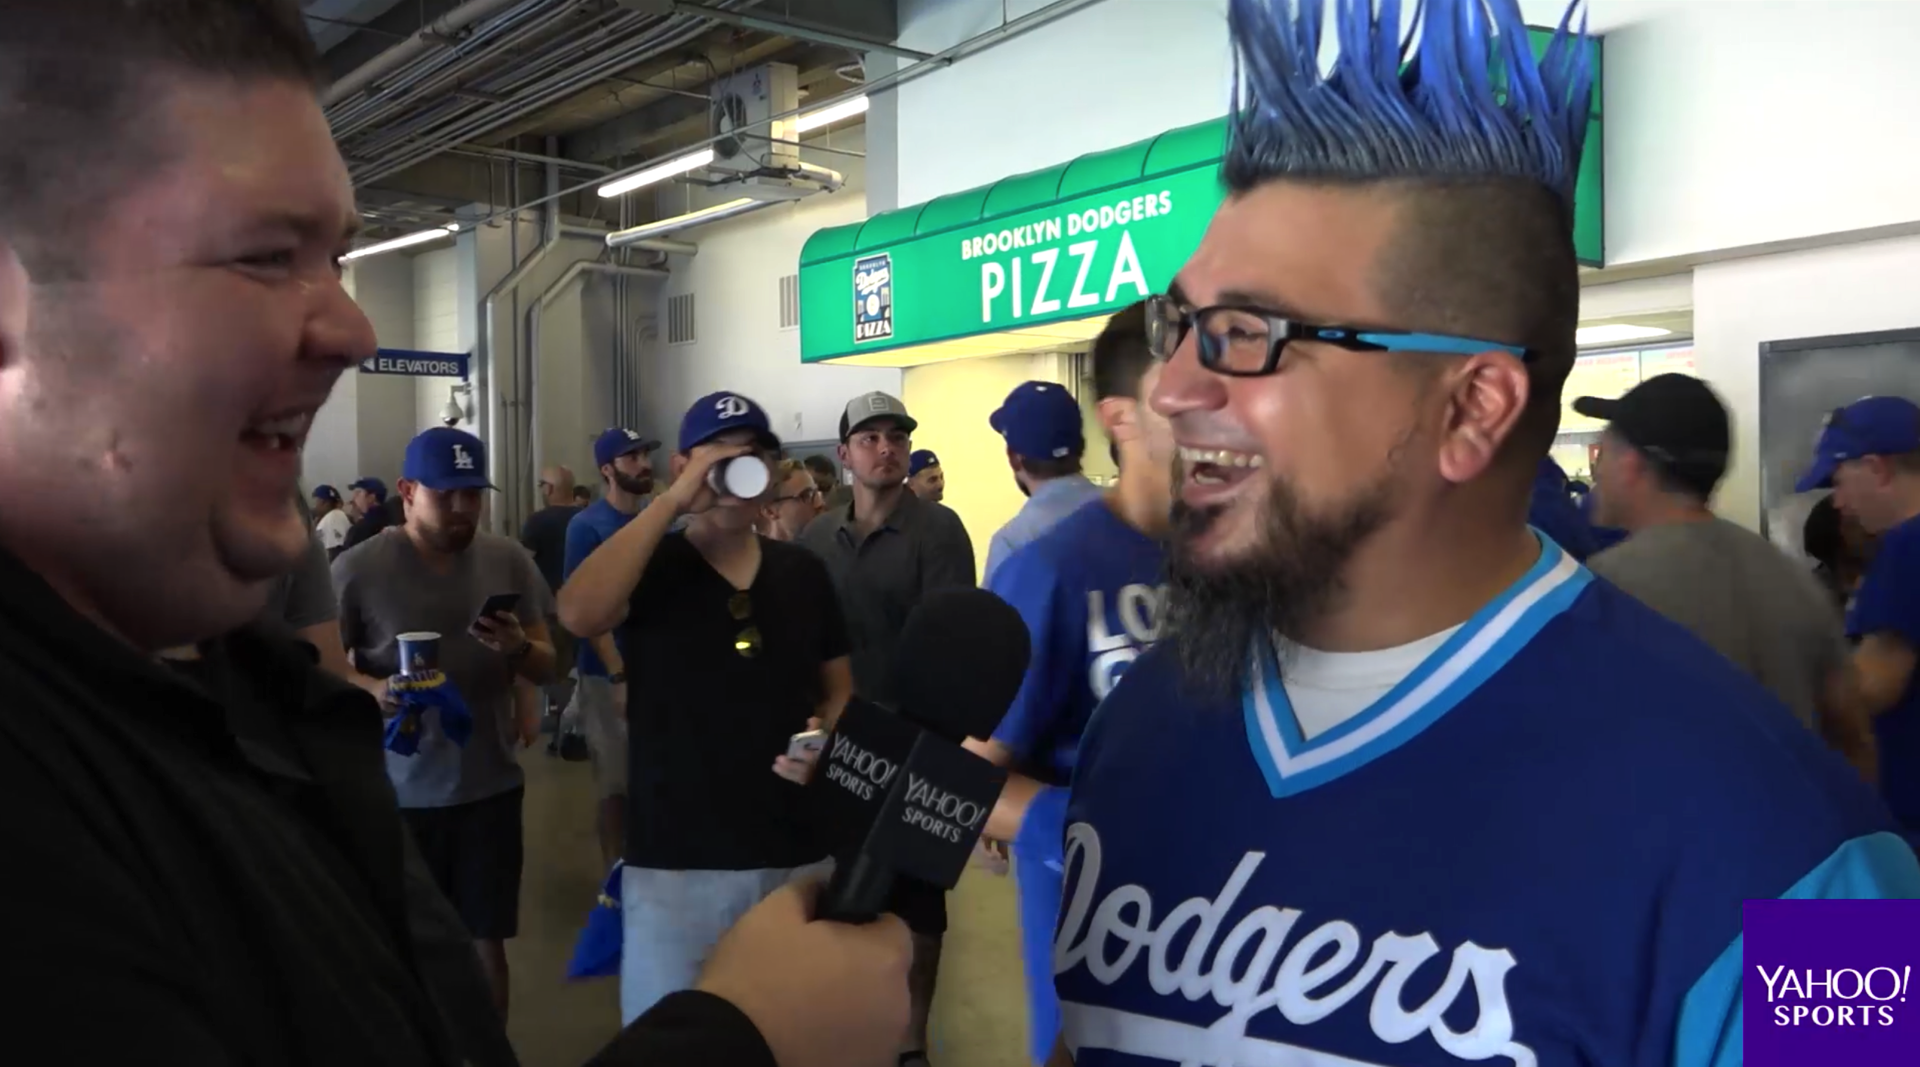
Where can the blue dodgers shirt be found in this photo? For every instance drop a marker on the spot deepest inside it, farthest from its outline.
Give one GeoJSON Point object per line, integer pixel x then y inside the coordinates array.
{"type": "Point", "coordinates": [1090, 590]}
{"type": "Point", "coordinates": [589, 530]}
{"type": "Point", "coordinates": [1511, 858]}
{"type": "Point", "coordinates": [1888, 601]}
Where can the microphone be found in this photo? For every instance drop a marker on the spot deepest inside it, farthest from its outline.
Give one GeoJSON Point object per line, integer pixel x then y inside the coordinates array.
{"type": "Point", "coordinates": [896, 792]}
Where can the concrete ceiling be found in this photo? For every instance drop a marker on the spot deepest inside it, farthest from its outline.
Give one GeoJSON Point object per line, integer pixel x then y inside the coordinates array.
{"type": "Point", "coordinates": [632, 113]}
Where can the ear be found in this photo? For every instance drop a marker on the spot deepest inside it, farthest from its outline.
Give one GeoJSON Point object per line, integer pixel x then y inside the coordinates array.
{"type": "Point", "coordinates": [840, 450]}
{"type": "Point", "coordinates": [1013, 460]}
{"type": "Point", "coordinates": [406, 488]}
{"type": "Point", "coordinates": [677, 464]}
{"type": "Point", "coordinates": [1488, 395]}
{"type": "Point", "coordinates": [1120, 417]}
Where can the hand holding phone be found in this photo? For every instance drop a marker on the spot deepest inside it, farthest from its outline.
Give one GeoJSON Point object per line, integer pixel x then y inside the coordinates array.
{"type": "Point", "coordinates": [803, 752]}
{"type": "Point", "coordinates": [498, 627]}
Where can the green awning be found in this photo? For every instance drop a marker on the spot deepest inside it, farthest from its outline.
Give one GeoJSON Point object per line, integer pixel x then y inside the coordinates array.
{"type": "Point", "coordinates": [1040, 260]}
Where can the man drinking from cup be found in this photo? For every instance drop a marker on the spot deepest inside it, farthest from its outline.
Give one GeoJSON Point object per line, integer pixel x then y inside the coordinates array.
{"type": "Point", "coordinates": [741, 641]}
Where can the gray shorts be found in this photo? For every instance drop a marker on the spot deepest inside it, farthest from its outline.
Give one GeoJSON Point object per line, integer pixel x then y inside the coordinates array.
{"type": "Point", "coordinates": [604, 724]}
{"type": "Point", "coordinates": [672, 920]}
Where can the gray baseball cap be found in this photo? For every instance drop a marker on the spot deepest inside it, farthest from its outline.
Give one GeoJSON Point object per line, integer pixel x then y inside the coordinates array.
{"type": "Point", "coordinates": [870, 406]}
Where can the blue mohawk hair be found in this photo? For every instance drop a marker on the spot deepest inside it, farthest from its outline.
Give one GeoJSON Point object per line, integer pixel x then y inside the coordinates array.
{"type": "Point", "coordinates": [1468, 101]}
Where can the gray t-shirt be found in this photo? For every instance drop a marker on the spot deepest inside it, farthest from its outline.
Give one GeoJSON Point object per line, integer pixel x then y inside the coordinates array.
{"type": "Point", "coordinates": [1741, 595]}
{"type": "Point", "coordinates": [303, 597]}
{"type": "Point", "coordinates": [385, 590]}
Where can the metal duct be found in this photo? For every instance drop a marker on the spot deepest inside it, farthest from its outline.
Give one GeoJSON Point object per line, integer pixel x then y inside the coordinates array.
{"type": "Point", "coordinates": [1008, 30]}
{"type": "Point", "coordinates": [412, 48]}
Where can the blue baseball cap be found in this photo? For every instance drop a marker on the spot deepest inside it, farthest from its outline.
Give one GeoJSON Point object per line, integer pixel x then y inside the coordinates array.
{"type": "Point", "coordinates": [716, 413]}
{"type": "Point", "coordinates": [1871, 426]}
{"type": "Point", "coordinates": [372, 485]}
{"type": "Point", "coordinates": [620, 441]}
{"type": "Point", "coordinates": [445, 459]}
{"type": "Point", "coordinates": [326, 492]}
{"type": "Point", "coordinates": [920, 461]}
{"type": "Point", "coordinates": [1040, 420]}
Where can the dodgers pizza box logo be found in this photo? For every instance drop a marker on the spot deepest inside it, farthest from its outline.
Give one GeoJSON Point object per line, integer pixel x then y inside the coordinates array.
{"type": "Point", "coordinates": [1831, 982]}
{"type": "Point", "coordinates": [873, 298]}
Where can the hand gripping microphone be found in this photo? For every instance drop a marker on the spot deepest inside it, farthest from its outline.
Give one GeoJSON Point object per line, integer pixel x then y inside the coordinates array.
{"type": "Point", "coordinates": [897, 794]}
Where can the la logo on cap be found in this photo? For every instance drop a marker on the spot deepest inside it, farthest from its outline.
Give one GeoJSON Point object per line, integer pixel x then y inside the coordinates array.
{"type": "Point", "coordinates": [730, 407]}
{"type": "Point", "coordinates": [461, 459]}
{"type": "Point", "coordinates": [632, 435]}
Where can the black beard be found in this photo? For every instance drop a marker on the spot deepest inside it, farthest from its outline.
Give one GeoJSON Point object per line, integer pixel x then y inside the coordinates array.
{"type": "Point", "coordinates": [637, 484]}
{"type": "Point", "coordinates": [452, 538]}
{"type": "Point", "coordinates": [1216, 613]}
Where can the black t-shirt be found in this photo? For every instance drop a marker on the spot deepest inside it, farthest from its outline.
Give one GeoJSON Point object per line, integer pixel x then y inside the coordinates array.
{"type": "Point", "coordinates": [545, 535]}
{"type": "Point", "coordinates": [208, 863]}
{"type": "Point", "coordinates": [706, 726]}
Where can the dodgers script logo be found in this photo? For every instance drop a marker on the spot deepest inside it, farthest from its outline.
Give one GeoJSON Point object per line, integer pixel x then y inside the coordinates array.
{"type": "Point", "coordinates": [730, 407]}
{"type": "Point", "coordinates": [1249, 974]}
{"type": "Point", "coordinates": [873, 298]}
{"type": "Point", "coordinates": [461, 459]}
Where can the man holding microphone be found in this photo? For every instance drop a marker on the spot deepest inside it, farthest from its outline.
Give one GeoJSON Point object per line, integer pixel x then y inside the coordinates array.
{"type": "Point", "coordinates": [214, 869]}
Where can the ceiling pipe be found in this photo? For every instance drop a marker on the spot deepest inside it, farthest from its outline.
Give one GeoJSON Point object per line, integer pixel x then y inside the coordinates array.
{"type": "Point", "coordinates": [1006, 31]}
{"type": "Point", "coordinates": [796, 29]}
{"type": "Point", "coordinates": [548, 296]}
{"type": "Point", "coordinates": [488, 355]}
{"type": "Point", "coordinates": [664, 245]}
{"type": "Point", "coordinates": [420, 44]}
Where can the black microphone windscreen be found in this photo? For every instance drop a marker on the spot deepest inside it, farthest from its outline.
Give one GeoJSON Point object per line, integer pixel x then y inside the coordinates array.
{"type": "Point", "coordinates": [959, 662]}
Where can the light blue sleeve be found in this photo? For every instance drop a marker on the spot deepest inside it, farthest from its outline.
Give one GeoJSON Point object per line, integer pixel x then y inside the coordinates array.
{"type": "Point", "coordinates": [1877, 867]}
{"type": "Point", "coordinates": [998, 548]}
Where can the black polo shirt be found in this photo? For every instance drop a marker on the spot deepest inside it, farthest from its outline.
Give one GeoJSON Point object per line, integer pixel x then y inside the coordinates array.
{"type": "Point", "coordinates": [882, 577]}
{"type": "Point", "coordinates": [205, 861]}
{"type": "Point", "coordinates": [705, 728]}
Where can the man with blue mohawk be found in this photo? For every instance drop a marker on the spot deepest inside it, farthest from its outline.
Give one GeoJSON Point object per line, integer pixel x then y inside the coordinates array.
{"type": "Point", "coordinates": [1370, 802]}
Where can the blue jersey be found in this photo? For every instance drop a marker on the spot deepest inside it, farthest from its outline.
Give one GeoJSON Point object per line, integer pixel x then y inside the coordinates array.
{"type": "Point", "coordinates": [1889, 602]}
{"type": "Point", "coordinates": [1090, 591]}
{"type": "Point", "coordinates": [1553, 512]}
{"type": "Point", "coordinates": [587, 531]}
{"type": "Point", "coordinates": [1511, 858]}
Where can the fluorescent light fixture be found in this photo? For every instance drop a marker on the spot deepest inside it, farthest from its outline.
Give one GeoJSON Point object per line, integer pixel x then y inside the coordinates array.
{"type": "Point", "coordinates": [659, 172]}
{"type": "Point", "coordinates": [715, 213]}
{"type": "Point", "coordinates": [827, 116]}
{"type": "Point", "coordinates": [1616, 333]}
{"type": "Point", "coordinates": [408, 241]}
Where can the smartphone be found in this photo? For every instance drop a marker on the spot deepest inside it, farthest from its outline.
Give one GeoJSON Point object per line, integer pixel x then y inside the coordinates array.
{"type": "Point", "coordinates": [498, 603]}
{"type": "Point", "coordinates": [805, 744]}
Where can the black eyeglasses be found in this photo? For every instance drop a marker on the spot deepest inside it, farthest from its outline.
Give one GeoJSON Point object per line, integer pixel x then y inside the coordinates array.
{"type": "Point", "coordinates": [747, 641]}
{"type": "Point", "coordinates": [808, 495]}
{"type": "Point", "coordinates": [1246, 342]}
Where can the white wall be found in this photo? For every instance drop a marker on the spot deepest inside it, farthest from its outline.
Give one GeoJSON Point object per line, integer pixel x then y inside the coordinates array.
{"type": "Point", "coordinates": [1729, 123]}
{"type": "Point", "coordinates": [739, 343]}
{"type": "Point", "coordinates": [364, 426]}
{"type": "Point", "coordinates": [1739, 304]}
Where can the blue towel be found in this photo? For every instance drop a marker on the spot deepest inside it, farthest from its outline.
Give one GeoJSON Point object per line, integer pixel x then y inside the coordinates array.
{"type": "Point", "coordinates": [596, 953]}
{"type": "Point", "coordinates": [416, 695]}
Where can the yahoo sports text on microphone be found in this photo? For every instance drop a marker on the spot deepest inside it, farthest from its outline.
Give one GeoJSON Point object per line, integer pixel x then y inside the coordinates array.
{"type": "Point", "coordinates": [1830, 981]}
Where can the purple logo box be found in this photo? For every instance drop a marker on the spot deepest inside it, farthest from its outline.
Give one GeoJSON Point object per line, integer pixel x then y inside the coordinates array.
{"type": "Point", "coordinates": [1831, 982]}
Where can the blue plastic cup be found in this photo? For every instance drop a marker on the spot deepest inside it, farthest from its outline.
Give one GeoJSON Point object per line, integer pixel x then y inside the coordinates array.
{"type": "Point", "coordinates": [419, 652]}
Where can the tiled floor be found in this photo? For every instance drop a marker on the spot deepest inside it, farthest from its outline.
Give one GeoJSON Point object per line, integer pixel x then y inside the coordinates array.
{"type": "Point", "coordinates": [979, 1017]}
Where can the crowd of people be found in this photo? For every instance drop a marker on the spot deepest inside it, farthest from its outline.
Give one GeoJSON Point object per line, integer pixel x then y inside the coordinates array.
{"type": "Point", "coordinates": [1310, 716]}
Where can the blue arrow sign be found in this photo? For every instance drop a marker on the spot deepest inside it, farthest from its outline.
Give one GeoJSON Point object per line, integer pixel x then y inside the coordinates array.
{"type": "Point", "coordinates": [416, 364]}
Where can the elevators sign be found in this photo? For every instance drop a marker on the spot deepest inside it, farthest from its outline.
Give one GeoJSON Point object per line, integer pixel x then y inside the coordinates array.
{"type": "Point", "coordinates": [873, 298]}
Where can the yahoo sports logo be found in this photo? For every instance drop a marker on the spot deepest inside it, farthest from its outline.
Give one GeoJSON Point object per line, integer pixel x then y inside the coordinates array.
{"type": "Point", "coordinates": [1830, 981]}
